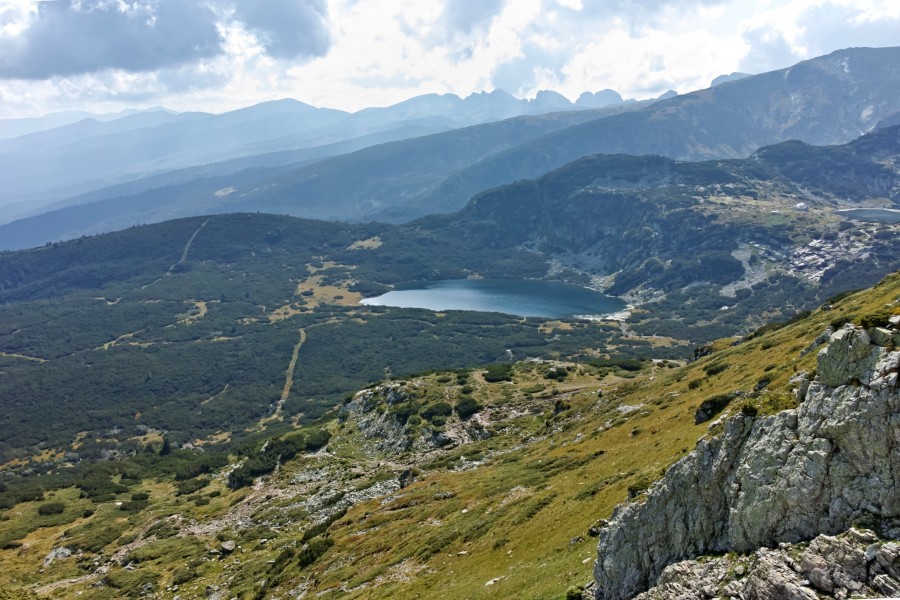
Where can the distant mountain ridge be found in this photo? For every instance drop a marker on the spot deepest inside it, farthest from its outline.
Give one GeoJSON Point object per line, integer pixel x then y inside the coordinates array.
{"type": "Point", "coordinates": [415, 165]}
{"type": "Point", "coordinates": [86, 152]}
{"type": "Point", "coordinates": [827, 100]}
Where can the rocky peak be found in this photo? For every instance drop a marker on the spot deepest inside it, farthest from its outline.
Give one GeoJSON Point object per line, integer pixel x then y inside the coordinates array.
{"type": "Point", "coordinates": [784, 478]}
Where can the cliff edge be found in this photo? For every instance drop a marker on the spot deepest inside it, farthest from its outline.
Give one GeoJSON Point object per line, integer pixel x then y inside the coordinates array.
{"type": "Point", "coordinates": [786, 478]}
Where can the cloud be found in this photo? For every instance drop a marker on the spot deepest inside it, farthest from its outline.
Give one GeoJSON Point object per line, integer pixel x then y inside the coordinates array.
{"type": "Point", "coordinates": [852, 25]}
{"type": "Point", "coordinates": [287, 28]}
{"type": "Point", "coordinates": [802, 29]}
{"type": "Point", "coordinates": [769, 50]}
{"type": "Point", "coordinates": [68, 37]}
{"type": "Point", "coordinates": [220, 54]}
{"type": "Point", "coordinates": [465, 16]}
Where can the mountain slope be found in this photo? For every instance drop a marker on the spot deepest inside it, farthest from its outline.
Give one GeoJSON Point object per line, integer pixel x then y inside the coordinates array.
{"type": "Point", "coordinates": [819, 469]}
{"type": "Point", "coordinates": [703, 250]}
{"type": "Point", "coordinates": [41, 171]}
{"type": "Point", "coordinates": [502, 502]}
{"type": "Point", "coordinates": [356, 183]}
{"type": "Point", "coordinates": [671, 234]}
{"type": "Point", "coordinates": [54, 163]}
{"type": "Point", "coordinates": [827, 100]}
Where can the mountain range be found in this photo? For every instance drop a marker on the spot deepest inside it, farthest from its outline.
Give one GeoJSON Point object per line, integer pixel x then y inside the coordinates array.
{"type": "Point", "coordinates": [198, 403]}
{"type": "Point", "coordinates": [827, 100]}
{"type": "Point", "coordinates": [100, 150]}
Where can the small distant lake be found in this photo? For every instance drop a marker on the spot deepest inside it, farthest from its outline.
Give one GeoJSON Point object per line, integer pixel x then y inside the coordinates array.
{"type": "Point", "coordinates": [525, 298]}
{"type": "Point", "coordinates": [872, 215]}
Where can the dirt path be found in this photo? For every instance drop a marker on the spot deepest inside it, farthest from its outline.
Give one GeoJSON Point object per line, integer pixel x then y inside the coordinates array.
{"type": "Point", "coordinates": [288, 383]}
{"type": "Point", "coordinates": [23, 357]}
{"type": "Point", "coordinates": [187, 247]}
{"type": "Point", "coordinates": [289, 374]}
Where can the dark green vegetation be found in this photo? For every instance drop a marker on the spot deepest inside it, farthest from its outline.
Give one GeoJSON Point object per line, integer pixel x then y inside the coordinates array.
{"type": "Point", "coordinates": [117, 335]}
{"type": "Point", "coordinates": [189, 326]}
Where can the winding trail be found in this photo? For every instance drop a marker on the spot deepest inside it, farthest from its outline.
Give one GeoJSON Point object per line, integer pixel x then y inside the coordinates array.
{"type": "Point", "coordinates": [187, 247]}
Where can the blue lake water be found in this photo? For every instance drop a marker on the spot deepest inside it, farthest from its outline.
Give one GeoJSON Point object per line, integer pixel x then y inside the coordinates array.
{"type": "Point", "coordinates": [525, 298]}
{"type": "Point", "coordinates": [872, 215]}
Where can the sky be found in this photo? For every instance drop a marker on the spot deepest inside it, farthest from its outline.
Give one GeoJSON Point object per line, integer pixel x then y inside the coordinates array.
{"type": "Point", "coordinates": [217, 55]}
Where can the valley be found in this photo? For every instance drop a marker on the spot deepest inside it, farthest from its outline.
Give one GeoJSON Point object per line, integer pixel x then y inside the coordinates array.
{"type": "Point", "coordinates": [475, 347]}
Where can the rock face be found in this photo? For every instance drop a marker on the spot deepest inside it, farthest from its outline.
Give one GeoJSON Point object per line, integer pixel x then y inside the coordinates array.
{"type": "Point", "coordinates": [856, 563]}
{"type": "Point", "coordinates": [384, 429]}
{"type": "Point", "coordinates": [788, 477]}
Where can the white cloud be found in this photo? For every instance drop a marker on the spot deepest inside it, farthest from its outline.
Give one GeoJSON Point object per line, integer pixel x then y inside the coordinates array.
{"type": "Point", "coordinates": [377, 52]}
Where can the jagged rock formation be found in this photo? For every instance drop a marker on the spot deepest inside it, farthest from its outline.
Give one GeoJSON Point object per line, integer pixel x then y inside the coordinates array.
{"type": "Point", "coordinates": [383, 428]}
{"type": "Point", "coordinates": [787, 477]}
{"type": "Point", "coordinates": [387, 431]}
{"type": "Point", "coordinates": [856, 563]}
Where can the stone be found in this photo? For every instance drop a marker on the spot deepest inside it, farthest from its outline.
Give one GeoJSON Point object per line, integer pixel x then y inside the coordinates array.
{"type": "Point", "coordinates": [888, 557]}
{"type": "Point", "coordinates": [887, 585]}
{"type": "Point", "coordinates": [830, 567]}
{"type": "Point", "coordinates": [781, 478]}
{"type": "Point", "coordinates": [228, 546]}
{"type": "Point", "coordinates": [881, 336]}
{"type": "Point", "coordinates": [57, 554]}
{"type": "Point", "coordinates": [847, 357]}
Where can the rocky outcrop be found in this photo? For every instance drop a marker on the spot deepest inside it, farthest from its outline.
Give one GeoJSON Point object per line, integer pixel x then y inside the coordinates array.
{"type": "Point", "coordinates": [783, 478]}
{"type": "Point", "coordinates": [371, 409]}
{"type": "Point", "coordinates": [857, 563]}
{"type": "Point", "coordinates": [380, 415]}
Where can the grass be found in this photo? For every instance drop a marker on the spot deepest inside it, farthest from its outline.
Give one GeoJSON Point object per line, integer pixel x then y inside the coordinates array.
{"type": "Point", "coordinates": [514, 508]}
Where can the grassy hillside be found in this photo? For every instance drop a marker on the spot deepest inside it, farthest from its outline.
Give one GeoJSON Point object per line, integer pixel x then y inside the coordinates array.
{"type": "Point", "coordinates": [503, 509]}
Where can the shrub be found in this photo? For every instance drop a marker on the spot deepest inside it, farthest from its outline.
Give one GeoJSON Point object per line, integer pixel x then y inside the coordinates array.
{"type": "Point", "coordinates": [876, 319]}
{"type": "Point", "coordinates": [439, 409]}
{"type": "Point", "coordinates": [51, 508]}
{"type": "Point", "coordinates": [402, 412]}
{"type": "Point", "coordinates": [317, 438]}
{"type": "Point", "coordinates": [466, 407]}
{"type": "Point", "coordinates": [558, 373]}
{"type": "Point", "coordinates": [498, 372]}
{"type": "Point", "coordinates": [183, 488]}
{"type": "Point", "coordinates": [314, 550]}
{"type": "Point", "coordinates": [711, 407]}
{"type": "Point", "coordinates": [711, 370]}
{"type": "Point", "coordinates": [134, 505]}
{"type": "Point", "coordinates": [182, 575]}
{"type": "Point", "coordinates": [574, 593]}
{"type": "Point", "coordinates": [319, 529]}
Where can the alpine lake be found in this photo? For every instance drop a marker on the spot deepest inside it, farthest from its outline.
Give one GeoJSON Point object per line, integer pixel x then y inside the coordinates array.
{"type": "Point", "coordinates": [524, 298]}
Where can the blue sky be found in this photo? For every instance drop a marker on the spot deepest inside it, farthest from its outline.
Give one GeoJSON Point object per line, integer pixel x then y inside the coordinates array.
{"type": "Point", "coordinates": [214, 55]}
